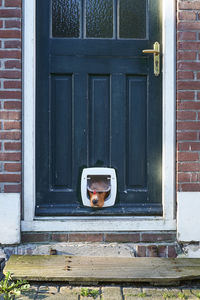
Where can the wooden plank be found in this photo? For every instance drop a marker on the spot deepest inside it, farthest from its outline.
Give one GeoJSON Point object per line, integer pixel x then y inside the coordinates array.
{"type": "Point", "coordinates": [102, 269]}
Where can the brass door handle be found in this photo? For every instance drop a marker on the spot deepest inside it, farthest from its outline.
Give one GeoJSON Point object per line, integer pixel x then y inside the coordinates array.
{"type": "Point", "coordinates": [156, 53]}
{"type": "Point", "coordinates": [151, 51]}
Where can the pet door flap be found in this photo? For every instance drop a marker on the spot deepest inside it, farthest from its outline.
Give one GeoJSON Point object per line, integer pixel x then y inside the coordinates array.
{"type": "Point", "coordinates": [99, 180]}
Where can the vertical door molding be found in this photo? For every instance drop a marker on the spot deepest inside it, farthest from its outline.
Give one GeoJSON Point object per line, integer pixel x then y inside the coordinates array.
{"type": "Point", "coordinates": [167, 222]}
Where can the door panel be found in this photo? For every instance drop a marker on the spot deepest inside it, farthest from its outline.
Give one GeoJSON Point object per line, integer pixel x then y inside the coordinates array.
{"type": "Point", "coordinates": [61, 119]}
{"type": "Point", "coordinates": [99, 119]}
{"type": "Point", "coordinates": [136, 132]}
{"type": "Point", "coordinates": [98, 103]}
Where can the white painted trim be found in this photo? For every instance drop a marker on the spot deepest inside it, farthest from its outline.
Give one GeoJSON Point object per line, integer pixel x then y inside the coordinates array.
{"type": "Point", "coordinates": [10, 218]}
{"type": "Point", "coordinates": [188, 221]}
{"type": "Point", "coordinates": [169, 108]}
{"type": "Point", "coordinates": [90, 223]}
{"type": "Point", "coordinates": [29, 70]}
{"type": "Point", "coordinates": [99, 225]}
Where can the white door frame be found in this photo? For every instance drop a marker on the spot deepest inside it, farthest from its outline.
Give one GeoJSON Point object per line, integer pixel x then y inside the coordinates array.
{"type": "Point", "coordinates": [94, 223]}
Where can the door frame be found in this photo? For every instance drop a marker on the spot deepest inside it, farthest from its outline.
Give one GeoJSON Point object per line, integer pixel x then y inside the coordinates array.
{"type": "Point", "coordinates": [94, 223]}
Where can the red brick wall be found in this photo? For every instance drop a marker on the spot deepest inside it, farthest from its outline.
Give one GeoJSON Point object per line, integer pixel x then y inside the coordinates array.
{"type": "Point", "coordinates": [188, 95]}
{"type": "Point", "coordinates": [10, 95]}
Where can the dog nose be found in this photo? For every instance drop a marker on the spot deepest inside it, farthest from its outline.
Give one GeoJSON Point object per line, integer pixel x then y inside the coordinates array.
{"type": "Point", "coordinates": [94, 201]}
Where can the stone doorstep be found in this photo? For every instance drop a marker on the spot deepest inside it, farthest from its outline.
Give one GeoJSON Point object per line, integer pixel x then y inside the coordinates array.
{"type": "Point", "coordinates": [93, 249]}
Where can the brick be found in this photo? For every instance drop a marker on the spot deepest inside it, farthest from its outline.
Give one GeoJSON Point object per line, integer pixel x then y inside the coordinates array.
{"type": "Point", "coordinates": [7, 156]}
{"type": "Point", "coordinates": [188, 85]}
{"type": "Point", "coordinates": [12, 125]}
{"type": "Point", "coordinates": [191, 105]}
{"type": "Point", "coordinates": [48, 289]}
{"type": "Point", "coordinates": [186, 115]}
{"type": "Point", "coordinates": [8, 135]}
{"type": "Point", "coordinates": [12, 167]}
{"type": "Point", "coordinates": [10, 33]}
{"type": "Point", "coordinates": [189, 167]}
{"type": "Point", "coordinates": [10, 115]}
{"type": "Point", "coordinates": [186, 55]}
{"type": "Point", "coordinates": [131, 293]}
{"type": "Point", "coordinates": [10, 13]}
{"type": "Point", "coordinates": [195, 125]}
{"type": "Point", "coordinates": [184, 177]}
{"type": "Point", "coordinates": [81, 237]}
{"type": "Point", "coordinates": [10, 74]}
{"type": "Point", "coordinates": [152, 251]}
{"type": "Point", "coordinates": [152, 293]}
{"type": "Point", "coordinates": [70, 292]}
{"type": "Point", "coordinates": [186, 95]}
{"type": "Point", "coordinates": [185, 75]}
{"type": "Point", "coordinates": [10, 178]}
{"type": "Point", "coordinates": [56, 237]}
{"type": "Point", "coordinates": [189, 4]}
{"type": "Point", "coordinates": [13, 64]}
{"type": "Point", "coordinates": [162, 251]}
{"type": "Point", "coordinates": [189, 45]}
{"type": "Point", "coordinates": [188, 156]}
{"type": "Point", "coordinates": [12, 84]}
{"type": "Point", "coordinates": [13, 44]}
{"type": "Point", "coordinates": [111, 293]}
{"type": "Point", "coordinates": [186, 36]}
{"type": "Point", "coordinates": [157, 237]}
{"type": "Point", "coordinates": [34, 237]}
{"type": "Point", "coordinates": [12, 105]}
{"type": "Point", "coordinates": [13, 3]}
{"type": "Point", "coordinates": [13, 23]}
{"type": "Point", "coordinates": [186, 136]}
{"type": "Point", "coordinates": [194, 177]}
{"type": "Point", "coordinates": [187, 15]}
{"type": "Point", "coordinates": [12, 146]}
{"type": "Point", "coordinates": [12, 188]}
{"type": "Point", "coordinates": [124, 238]}
{"type": "Point", "coordinates": [190, 187]}
{"type": "Point", "coordinates": [10, 54]}
{"type": "Point", "coordinates": [188, 26]}
{"type": "Point", "coordinates": [189, 66]}
{"type": "Point", "coordinates": [141, 251]}
{"type": "Point", "coordinates": [10, 94]}
{"type": "Point", "coordinates": [195, 146]}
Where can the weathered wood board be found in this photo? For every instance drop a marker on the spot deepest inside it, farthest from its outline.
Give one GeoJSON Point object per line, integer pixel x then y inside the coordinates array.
{"type": "Point", "coordinates": [102, 269]}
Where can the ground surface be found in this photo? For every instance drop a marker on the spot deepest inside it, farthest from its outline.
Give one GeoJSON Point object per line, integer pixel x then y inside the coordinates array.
{"type": "Point", "coordinates": [103, 292]}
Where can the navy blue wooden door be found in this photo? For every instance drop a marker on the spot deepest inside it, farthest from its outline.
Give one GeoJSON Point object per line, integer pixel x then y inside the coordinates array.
{"type": "Point", "coordinates": [98, 103]}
